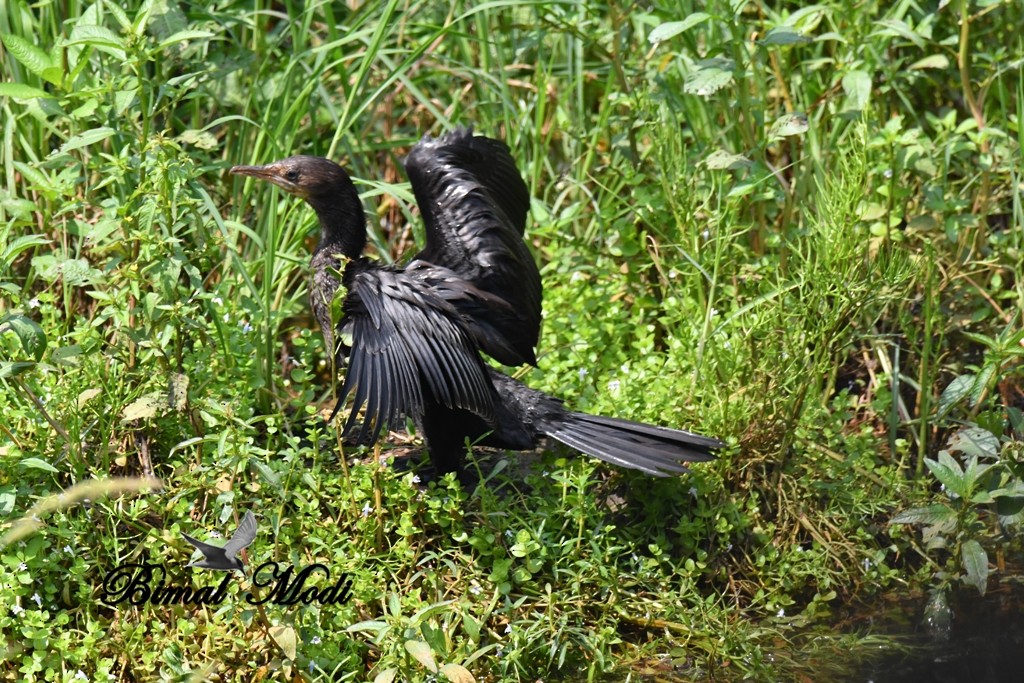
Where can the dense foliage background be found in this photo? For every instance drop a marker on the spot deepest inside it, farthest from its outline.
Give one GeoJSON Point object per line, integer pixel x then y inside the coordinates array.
{"type": "Point", "coordinates": [798, 228]}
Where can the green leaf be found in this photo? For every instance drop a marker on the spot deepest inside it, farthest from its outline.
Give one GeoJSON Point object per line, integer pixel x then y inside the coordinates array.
{"type": "Point", "coordinates": [37, 464]}
{"type": "Point", "coordinates": [20, 91]}
{"type": "Point", "coordinates": [936, 513]}
{"type": "Point", "coordinates": [8, 496]}
{"type": "Point", "coordinates": [32, 58]}
{"type": "Point", "coordinates": [18, 245]}
{"type": "Point", "coordinates": [947, 470]}
{"type": "Point", "coordinates": [975, 563]}
{"type": "Point", "coordinates": [721, 160]}
{"type": "Point", "coordinates": [386, 676]}
{"type": "Point", "coordinates": [670, 29]}
{"type": "Point", "coordinates": [857, 86]}
{"type": "Point", "coordinates": [954, 392]}
{"type": "Point", "coordinates": [422, 653]}
{"type": "Point", "coordinates": [788, 125]}
{"type": "Point", "coordinates": [784, 35]}
{"type": "Point", "coordinates": [184, 37]}
{"type": "Point", "coordinates": [89, 137]}
{"type": "Point", "coordinates": [896, 27]}
{"type": "Point", "coordinates": [99, 37]}
{"type": "Point", "coordinates": [711, 76]}
{"type": "Point", "coordinates": [29, 333]}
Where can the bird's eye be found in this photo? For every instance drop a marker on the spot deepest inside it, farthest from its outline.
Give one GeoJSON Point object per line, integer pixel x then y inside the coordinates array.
{"type": "Point", "coordinates": [292, 175]}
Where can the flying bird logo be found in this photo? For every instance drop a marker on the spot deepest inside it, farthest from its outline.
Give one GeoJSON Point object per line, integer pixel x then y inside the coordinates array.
{"type": "Point", "coordinates": [224, 559]}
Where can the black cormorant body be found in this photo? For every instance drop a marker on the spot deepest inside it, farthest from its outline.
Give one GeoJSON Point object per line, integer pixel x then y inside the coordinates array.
{"type": "Point", "coordinates": [413, 334]}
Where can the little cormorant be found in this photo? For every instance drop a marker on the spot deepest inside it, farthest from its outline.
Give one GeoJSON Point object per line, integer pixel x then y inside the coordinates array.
{"type": "Point", "coordinates": [413, 334]}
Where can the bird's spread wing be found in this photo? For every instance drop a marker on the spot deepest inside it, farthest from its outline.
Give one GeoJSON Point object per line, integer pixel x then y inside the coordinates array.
{"type": "Point", "coordinates": [204, 548]}
{"type": "Point", "coordinates": [474, 204]}
{"type": "Point", "coordinates": [243, 536]}
{"type": "Point", "coordinates": [407, 342]}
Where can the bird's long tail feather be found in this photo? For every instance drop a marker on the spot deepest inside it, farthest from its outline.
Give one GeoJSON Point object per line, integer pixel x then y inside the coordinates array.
{"type": "Point", "coordinates": [658, 451]}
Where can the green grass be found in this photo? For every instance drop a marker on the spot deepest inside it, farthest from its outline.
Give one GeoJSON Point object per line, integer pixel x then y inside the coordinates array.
{"type": "Point", "coordinates": [796, 229]}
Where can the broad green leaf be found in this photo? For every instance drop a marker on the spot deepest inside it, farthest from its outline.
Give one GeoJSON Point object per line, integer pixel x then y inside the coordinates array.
{"type": "Point", "coordinates": [931, 515]}
{"type": "Point", "coordinates": [421, 653]}
{"type": "Point", "coordinates": [37, 464]}
{"type": "Point", "coordinates": [29, 333]}
{"type": "Point", "coordinates": [18, 245]}
{"type": "Point", "coordinates": [184, 37]}
{"type": "Point", "coordinates": [367, 626]}
{"type": "Point", "coordinates": [949, 473]}
{"type": "Point", "coordinates": [99, 37]}
{"type": "Point", "coordinates": [711, 76]}
{"type": "Point", "coordinates": [857, 86]}
{"type": "Point", "coordinates": [199, 138]}
{"type": "Point", "coordinates": [285, 638]}
{"type": "Point", "coordinates": [722, 160]}
{"type": "Point", "coordinates": [784, 35]}
{"type": "Point", "coordinates": [670, 29]}
{"type": "Point", "coordinates": [8, 496]}
{"type": "Point", "coordinates": [32, 58]}
{"type": "Point", "coordinates": [896, 27]}
{"type": "Point", "coordinates": [975, 563]}
{"type": "Point", "coordinates": [20, 91]}
{"type": "Point", "coordinates": [954, 392]}
{"type": "Point", "coordinates": [89, 137]}
{"type": "Point", "coordinates": [788, 125]}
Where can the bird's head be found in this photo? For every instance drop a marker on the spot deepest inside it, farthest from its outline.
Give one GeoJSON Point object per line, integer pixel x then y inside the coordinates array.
{"type": "Point", "coordinates": [312, 178]}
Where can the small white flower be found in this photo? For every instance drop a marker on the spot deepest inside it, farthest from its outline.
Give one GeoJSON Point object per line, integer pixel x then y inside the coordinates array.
{"type": "Point", "coordinates": [214, 534]}
{"type": "Point", "coordinates": [81, 676]}
{"type": "Point", "coordinates": [693, 491]}
{"type": "Point", "coordinates": [217, 300]}
{"type": "Point", "coordinates": [613, 385]}
{"type": "Point", "coordinates": [38, 600]}
{"type": "Point", "coordinates": [18, 610]}
{"type": "Point", "coordinates": [246, 327]}
{"type": "Point", "coordinates": [33, 302]}
{"type": "Point", "coordinates": [582, 373]}
{"type": "Point", "coordinates": [227, 317]}
{"type": "Point", "coordinates": [706, 234]}
{"type": "Point", "coordinates": [476, 590]}
{"type": "Point", "coordinates": [887, 173]}
{"type": "Point", "coordinates": [315, 640]}
{"type": "Point", "coordinates": [415, 478]}
{"type": "Point", "coordinates": [367, 510]}
{"type": "Point", "coordinates": [508, 629]}
{"type": "Point", "coordinates": [714, 312]}
{"type": "Point", "coordinates": [781, 613]}
{"type": "Point", "coordinates": [68, 550]}
{"type": "Point", "coordinates": [22, 567]}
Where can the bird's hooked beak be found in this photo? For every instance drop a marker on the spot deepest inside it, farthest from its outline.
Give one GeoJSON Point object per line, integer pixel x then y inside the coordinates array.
{"type": "Point", "coordinates": [272, 173]}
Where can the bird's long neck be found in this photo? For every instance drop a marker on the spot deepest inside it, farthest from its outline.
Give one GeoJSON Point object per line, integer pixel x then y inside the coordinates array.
{"type": "Point", "coordinates": [342, 221]}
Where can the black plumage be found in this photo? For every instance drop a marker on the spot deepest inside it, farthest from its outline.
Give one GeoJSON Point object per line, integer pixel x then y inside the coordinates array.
{"type": "Point", "coordinates": [413, 335]}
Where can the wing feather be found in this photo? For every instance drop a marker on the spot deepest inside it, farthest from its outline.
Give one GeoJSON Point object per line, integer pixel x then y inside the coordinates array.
{"type": "Point", "coordinates": [407, 343]}
{"type": "Point", "coordinates": [474, 205]}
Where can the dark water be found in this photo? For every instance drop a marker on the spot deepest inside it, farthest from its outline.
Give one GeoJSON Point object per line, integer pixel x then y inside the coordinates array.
{"type": "Point", "coordinates": [979, 640]}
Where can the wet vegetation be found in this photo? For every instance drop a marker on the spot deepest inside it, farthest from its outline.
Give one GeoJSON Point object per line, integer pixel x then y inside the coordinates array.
{"type": "Point", "coordinates": [799, 229]}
